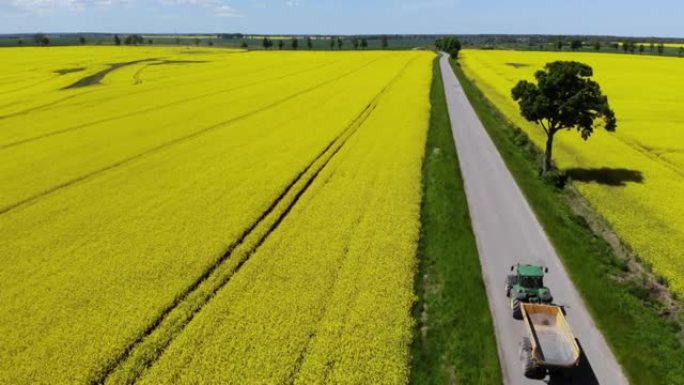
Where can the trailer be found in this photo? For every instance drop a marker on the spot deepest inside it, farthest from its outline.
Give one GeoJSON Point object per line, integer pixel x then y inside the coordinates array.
{"type": "Point", "coordinates": [550, 344]}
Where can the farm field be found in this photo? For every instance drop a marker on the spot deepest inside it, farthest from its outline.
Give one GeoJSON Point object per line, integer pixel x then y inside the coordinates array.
{"type": "Point", "coordinates": [179, 215]}
{"type": "Point", "coordinates": [633, 177]}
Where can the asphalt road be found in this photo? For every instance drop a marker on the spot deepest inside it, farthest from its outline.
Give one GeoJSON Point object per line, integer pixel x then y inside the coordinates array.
{"type": "Point", "coordinates": [507, 232]}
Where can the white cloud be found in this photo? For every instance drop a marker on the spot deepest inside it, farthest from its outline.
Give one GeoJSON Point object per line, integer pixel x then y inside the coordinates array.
{"type": "Point", "coordinates": [26, 7]}
{"type": "Point", "coordinates": [219, 7]}
{"type": "Point", "coordinates": [227, 11]}
{"type": "Point", "coordinates": [42, 6]}
{"type": "Point", "coordinates": [203, 3]}
{"type": "Point", "coordinates": [292, 3]}
{"type": "Point", "coordinates": [427, 4]}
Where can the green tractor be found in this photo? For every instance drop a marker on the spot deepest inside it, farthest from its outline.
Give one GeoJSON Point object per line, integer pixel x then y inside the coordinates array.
{"type": "Point", "coordinates": [526, 284]}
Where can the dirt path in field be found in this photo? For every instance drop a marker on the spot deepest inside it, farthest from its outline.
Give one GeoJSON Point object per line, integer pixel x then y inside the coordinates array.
{"type": "Point", "coordinates": [507, 232]}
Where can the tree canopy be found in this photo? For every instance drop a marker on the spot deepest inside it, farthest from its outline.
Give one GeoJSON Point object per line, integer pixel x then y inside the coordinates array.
{"type": "Point", "coordinates": [135, 40]}
{"type": "Point", "coordinates": [449, 44]}
{"type": "Point", "coordinates": [564, 98]}
{"type": "Point", "coordinates": [575, 44]}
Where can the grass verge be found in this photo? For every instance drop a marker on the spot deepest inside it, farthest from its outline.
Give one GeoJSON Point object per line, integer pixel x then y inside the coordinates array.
{"type": "Point", "coordinates": [646, 343]}
{"type": "Point", "coordinates": [454, 338]}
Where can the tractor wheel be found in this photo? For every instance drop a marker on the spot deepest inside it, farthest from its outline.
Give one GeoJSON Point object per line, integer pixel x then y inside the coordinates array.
{"type": "Point", "coordinates": [533, 371]}
{"type": "Point", "coordinates": [530, 367]}
{"type": "Point", "coordinates": [515, 306]}
{"type": "Point", "coordinates": [509, 284]}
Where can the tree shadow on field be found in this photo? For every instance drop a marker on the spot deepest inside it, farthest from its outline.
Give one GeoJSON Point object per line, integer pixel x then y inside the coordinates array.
{"type": "Point", "coordinates": [605, 175]}
{"type": "Point", "coordinates": [517, 65]}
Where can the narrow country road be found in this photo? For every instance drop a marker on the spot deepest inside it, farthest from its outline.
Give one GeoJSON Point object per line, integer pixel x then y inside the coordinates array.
{"type": "Point", "coordinates": [508, 232]}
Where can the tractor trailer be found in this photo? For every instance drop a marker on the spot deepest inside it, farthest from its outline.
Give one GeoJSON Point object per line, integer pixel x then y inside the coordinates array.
{"type": "Point", "coordinates": [549, 345]}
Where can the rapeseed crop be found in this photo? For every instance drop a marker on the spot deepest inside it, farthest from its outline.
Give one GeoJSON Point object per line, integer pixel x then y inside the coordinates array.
{"type": "Point", "coordinates": [188, 185]}
{"type": "Point", "coordinates": [314, 306]}
{"type": "Point", "coordinates": [634, 177]}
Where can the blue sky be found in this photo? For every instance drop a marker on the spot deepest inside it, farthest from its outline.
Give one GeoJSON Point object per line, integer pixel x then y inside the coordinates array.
{"type": "Point", "coordinates": [610, 17]}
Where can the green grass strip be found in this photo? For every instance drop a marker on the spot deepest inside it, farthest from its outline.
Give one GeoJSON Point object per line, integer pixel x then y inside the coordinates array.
{"type": "Point", "coordinates": [646, 344]}
{"type": "Point", "coordinates": [454, 339]}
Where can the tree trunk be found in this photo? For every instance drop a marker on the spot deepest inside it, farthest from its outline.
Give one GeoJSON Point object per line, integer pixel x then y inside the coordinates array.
{"type": "Point", "coordinates": [548, 166]}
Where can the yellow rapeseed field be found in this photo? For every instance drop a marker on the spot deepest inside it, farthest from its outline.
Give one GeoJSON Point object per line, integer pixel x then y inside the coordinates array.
{"type": "Point", "coordinates": [195, 215]}
{"type": "Point", "coordinates": [634, 177]}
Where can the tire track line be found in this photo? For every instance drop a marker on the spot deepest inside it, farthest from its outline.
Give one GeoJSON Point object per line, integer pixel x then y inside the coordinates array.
{"type": "Point", "coordinates": [50, 105]}
{"type": "Point", "coordinates": [652, 155]}
{"type": "Point", "coordinates": [137, 354]}
{"type": "Point", "coordinates": [96, 78]}
{"type": "Point", "coordinates": [189, 137]}
{"type": "Point", "coordinates": [144, 110]}
{"type": "Point", "coordinates": [42, 107]}
{"type": "Point", "coordinates": [299, 362]}
{"type": "Point", "coordinates": [129, 366]}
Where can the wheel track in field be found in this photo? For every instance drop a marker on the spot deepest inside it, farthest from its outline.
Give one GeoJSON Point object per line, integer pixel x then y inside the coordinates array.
{"type": "Point", "coordinates": [182, 139]}
{"type": "Point", "coordinates": [48, 106]}
{"type": "Point", "coordinates": [635, 145]}
{"type": "Point", "coordinates": [141, 111]}
{"type": "Point", "coordinates": [97, 77]}
{"type": "Point", "coordinates": [297, 365]}
{"type": "Point", "coordinates": [41, 107]}
{"type": "Point", "coordinates": [306, 347]}
{"type": "Point", "coordinates": [146, 349]}
{"type": "Point", "coordinates": [329, 151]}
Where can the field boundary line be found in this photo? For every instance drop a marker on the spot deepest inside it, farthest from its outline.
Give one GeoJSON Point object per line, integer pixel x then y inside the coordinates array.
{"type": "Point", "coordinates": [189, 137]}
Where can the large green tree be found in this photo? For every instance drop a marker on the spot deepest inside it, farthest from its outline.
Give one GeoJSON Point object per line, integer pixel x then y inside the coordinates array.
{"type": "Point", "coordinates": [564, 98]}
{"type": "Point", "coordinates": [449, 44]}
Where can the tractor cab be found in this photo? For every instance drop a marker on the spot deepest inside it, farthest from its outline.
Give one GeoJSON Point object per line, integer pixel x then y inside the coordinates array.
{"type": "Point", "coordinates": [526, 284]}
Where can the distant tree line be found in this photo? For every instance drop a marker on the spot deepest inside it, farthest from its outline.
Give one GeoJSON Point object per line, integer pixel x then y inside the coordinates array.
{"type": "Point", "coordinates": [230, 36]}
{"type": "Point", "coordinates": [41, 39]}
{"type": "Point", "coordinates": [335, 42]}
{"type": "Point", "coordinates": [630, 46]}
{"type": "Point", "coordinates": [654, 46]}
{"type": "Point", "coordinates": [302, 42]}
{"type": "Point", "coordinates": [134, 40]}
{"type": "Point", "coordinates": [627, 46]}
{"type": "Point", "coordinates": [128, 40]}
